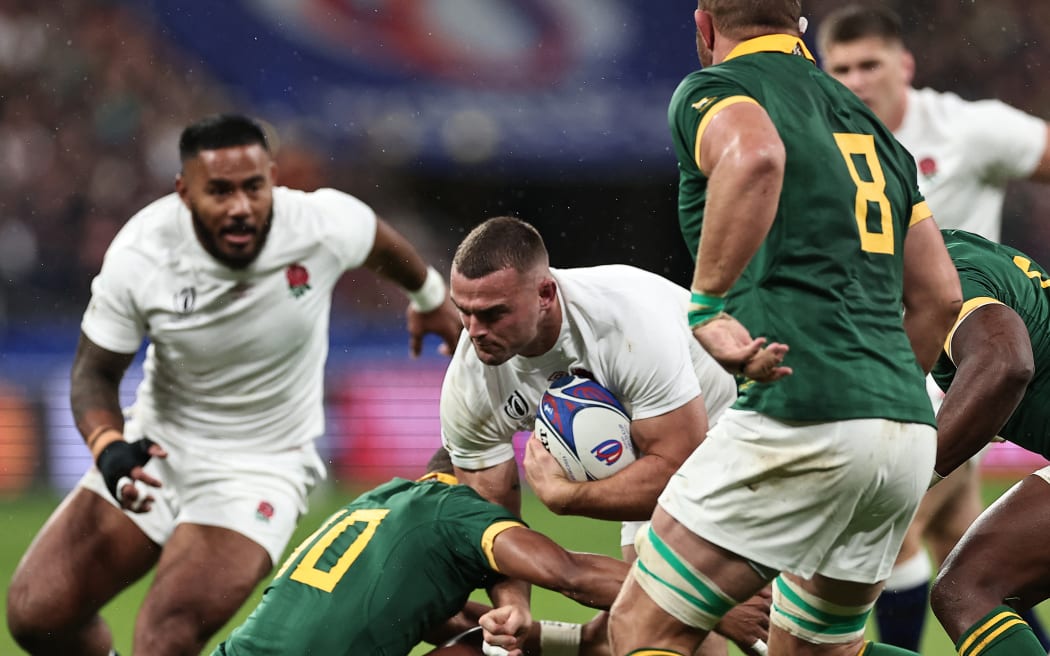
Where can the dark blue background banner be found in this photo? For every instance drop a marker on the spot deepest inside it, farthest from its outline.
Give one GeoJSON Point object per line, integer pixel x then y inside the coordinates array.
{"type": "Point", "coordinates": [518, 83]}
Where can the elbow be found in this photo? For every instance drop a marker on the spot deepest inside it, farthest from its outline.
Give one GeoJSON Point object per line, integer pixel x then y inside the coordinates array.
{"type": "Point", "coordinates": [1016, 374]}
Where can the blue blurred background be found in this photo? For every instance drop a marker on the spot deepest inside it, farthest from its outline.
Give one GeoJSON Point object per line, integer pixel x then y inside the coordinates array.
{"type": "Point", "coordinates": [438, 113]}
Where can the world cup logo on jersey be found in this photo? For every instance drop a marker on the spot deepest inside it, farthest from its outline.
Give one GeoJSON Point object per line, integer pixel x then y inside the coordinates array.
{"type": "Point", "coordinates": [298, 279]}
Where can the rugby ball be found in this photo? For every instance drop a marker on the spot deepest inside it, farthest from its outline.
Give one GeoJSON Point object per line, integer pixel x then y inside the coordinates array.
{"type": "Point", "coordinates": [585, 428]}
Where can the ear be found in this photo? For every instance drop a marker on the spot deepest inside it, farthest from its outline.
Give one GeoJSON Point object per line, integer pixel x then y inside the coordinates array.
{"type": "Point", "coordinates": [705, 27]}
{"type": "Point", "coordinates": [548, 292]}
{"type": "Point", "coordinates": [273, 172]}
{"type": "Point", "coordinates": [908, 66]}
{"type": "Point", "coordinates": [180, 186]}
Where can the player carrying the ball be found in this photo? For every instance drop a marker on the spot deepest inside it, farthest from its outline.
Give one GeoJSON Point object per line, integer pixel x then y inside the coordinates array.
{"type": "Point", "coordinates": [528, 324]}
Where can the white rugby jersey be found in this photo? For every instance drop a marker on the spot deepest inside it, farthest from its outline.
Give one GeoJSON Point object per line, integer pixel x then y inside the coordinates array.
{"type": "Point", "coordinates": [966, 154]}
{"type": "Point", "coordinates": [236, 357]}
{"type": "Point", "coordinates": [622, 326]}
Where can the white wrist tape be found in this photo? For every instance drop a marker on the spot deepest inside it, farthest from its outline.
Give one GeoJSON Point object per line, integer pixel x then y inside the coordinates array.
{"type": "Point", "coordinates": [559, 638]}
{"type": "Point", "coordinates": [431, 295]}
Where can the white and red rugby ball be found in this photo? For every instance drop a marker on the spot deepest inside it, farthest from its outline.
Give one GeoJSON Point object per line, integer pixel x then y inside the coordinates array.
{"type": "Point", "coordinates": [585, 428]}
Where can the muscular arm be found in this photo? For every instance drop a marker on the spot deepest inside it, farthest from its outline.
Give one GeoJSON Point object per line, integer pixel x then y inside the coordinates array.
{"type": "Point", "coordinates": [932, 296]}
{"type": "Point", "coordinates": [95, 387]}
{"type": "Point", "coordinates": [589, 579]}
{"type": "Point", "coordinates": [396, 259]}
{"type": "Point", "coordinates": [498, 484]}
{"type": "Point", "coordinates": [664, 441]}
{"type": "Point", "coordinates": [992, 352]}
{"type": "Point", "coordinates": [743, 157]}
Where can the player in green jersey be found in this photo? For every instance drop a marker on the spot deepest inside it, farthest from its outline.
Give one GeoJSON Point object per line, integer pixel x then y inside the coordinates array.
{"type": "Point", "coordinates": [392, 566]}
{"type": "Point", "coordinates": [995, 370]}
{"type": "Point", "coordinates": [815, 237]}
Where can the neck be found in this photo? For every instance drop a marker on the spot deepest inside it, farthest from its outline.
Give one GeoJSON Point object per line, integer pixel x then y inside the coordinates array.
{"type": "Point", "coordinates": [547, 335]}
{"type": "Point", "coordinates": [895, 118]}
{"type": "Point", "coordinates": [725, 45]}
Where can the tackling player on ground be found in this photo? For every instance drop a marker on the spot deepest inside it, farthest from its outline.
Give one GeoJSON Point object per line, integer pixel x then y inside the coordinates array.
{"type": "Point", "coordinates": [391, 567]}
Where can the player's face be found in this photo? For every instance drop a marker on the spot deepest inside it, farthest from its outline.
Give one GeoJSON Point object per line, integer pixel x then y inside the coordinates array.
{"type": "Point", "coordinates": [502, 313]}
{"type": "Point", "coordinates": [878, 71]}
{"type": "Point", "coordinates": [229, 192]}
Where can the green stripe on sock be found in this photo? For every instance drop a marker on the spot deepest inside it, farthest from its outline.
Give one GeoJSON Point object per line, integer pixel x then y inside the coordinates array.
{"type": "Point", "coordinates": [717, 603]}
{"type": "Point", "coordinates": [827, 623]}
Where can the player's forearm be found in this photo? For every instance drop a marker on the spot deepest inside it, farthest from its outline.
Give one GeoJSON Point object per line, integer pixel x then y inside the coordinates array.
{"type": "Point", "coordinates": [95, 388]}
{"type": "Point", "coordinates": [628, 495]}
{"type": "Point", "coordinates": [982, 397]}
{"type": "Point", "coordinates": [594, 580]}
{"type": "Point", "coordinates": [396, 259]}
{"type": "Point", "coordinates": [741, 204]}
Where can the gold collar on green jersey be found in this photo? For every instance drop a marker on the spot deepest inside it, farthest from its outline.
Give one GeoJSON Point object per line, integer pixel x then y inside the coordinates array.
{"type": "Point", "coordinates": [785, 43]}
{"type": "Point", "coordinates": [447, 479]}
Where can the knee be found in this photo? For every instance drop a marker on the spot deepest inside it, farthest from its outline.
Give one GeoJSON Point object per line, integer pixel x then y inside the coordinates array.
{"type": "Point", "coordinates": [957, 600]}
{"type": "Point", "coordinates": [34, 623]}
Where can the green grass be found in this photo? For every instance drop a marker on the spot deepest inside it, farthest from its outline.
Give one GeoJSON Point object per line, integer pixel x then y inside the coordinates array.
{"type": "Point", "coordinates": [23, 517]}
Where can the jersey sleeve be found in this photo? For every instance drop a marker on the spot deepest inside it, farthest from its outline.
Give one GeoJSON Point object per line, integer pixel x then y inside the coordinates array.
{"type": "Point", "coordinates": [352, 225]}
{"type": "Point", "coordinates": [113, 319]}
{"type": "Point", "coordinates": [1012, 148]}
{"type": "Point", "coordinates": [474, 524]}
{"type": "Point", "coordinates": [473, 436]}
{"type": "Point", "coordinates": [696, 101]}
{"type": "Point", "coordinates": [653, 366]}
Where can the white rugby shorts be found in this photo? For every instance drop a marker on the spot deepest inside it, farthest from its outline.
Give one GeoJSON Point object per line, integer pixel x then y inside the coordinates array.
{"type": "Point", "coordinates": [831, 498]}
{"type": "Point", "coordinates": [260, 496]}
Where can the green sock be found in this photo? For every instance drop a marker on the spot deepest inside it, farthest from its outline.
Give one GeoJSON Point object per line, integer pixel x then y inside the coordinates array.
{"type": "Point", "coordinates": [881, 649]}
{"type": "Point", "coordinates": [1001, 632]}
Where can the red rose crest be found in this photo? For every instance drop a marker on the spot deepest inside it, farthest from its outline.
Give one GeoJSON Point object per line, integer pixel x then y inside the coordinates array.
{"type": "Point", "coordinates": [265, 511]}
{"type": "Point", "coordinates": [928, 167]}
{"type": "Point", "coordinates": [298, 279]}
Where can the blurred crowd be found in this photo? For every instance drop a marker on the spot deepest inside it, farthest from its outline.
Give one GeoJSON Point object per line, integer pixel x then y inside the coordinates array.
{"type": "Point", "coordinates": [93, 95]}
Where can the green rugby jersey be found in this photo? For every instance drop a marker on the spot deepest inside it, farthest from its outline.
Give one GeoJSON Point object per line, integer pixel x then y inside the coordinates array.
{"type": "Point", "coordinates": [828, 279]}
{"type": "Point", "coordinates": [378, 573]}
{"type": "Point", "coordinates": [993, 273]}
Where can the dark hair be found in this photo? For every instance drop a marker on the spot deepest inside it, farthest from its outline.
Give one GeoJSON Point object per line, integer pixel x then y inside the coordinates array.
{"type": "Point", "coordinates": [220, 131]}
{"type": "Point", "coordinates": [856, 21]}
{"type": "Point", "coordinates": [440, 462]}
{"type": "Point", "coordinates": [742, 18]}
{"type": "Point", "coordinates": [499, 243]}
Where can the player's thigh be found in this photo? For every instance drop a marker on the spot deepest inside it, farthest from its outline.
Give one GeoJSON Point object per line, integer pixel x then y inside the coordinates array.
{"type": "Point", "coordinates": [85, 554]}
{"type": "Point", "coordinates": [204, 575]}
{"type": "Point", "coordinates": [1004, 553]}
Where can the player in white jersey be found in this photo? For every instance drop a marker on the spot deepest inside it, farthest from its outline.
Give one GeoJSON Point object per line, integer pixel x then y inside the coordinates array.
{"type": "Point", "coordinates": [230, 279]}
{"type": "Point", "coordinates": [527, 324]}
{"type": "Point", "coordinates": [966, 153]}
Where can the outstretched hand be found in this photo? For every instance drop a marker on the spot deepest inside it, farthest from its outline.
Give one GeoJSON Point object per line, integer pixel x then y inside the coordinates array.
{"type": "Point", "coordinates": [731, 345]}
{"type": "Point", "coordinates": [442, 321]}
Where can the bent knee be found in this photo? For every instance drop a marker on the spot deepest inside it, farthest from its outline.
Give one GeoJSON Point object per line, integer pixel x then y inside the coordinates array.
{"type": "Point", "coordinates": [41, 624]}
